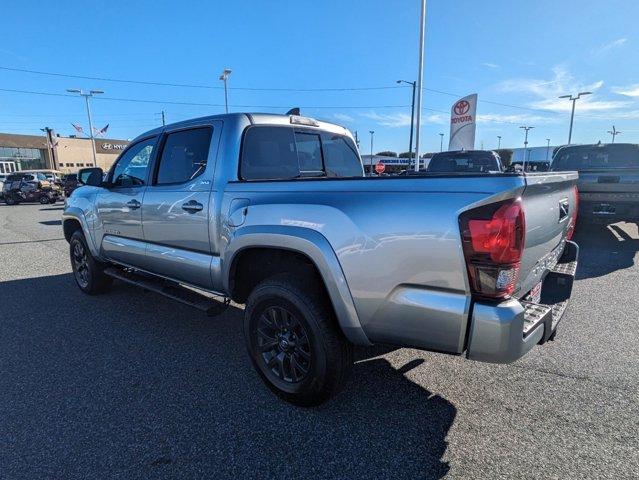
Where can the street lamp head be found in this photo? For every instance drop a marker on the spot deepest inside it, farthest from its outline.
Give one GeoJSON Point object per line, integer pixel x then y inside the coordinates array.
{"type": "Point", "coordinates": [371, 131]}
{"type": "Point", "coordinates": [565, 96]}
{"type": "Point", "coordinates": [73, 90]}
{"type": "Point", "coordinates": [93, 92]}
{"type": "Point", "coordinates": [225, 74]}
{"type": "Point", "coordinates": [583, 93]}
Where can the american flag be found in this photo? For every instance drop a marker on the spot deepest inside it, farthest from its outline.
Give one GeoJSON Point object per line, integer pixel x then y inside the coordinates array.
{"type": "Point", "coordinates": [78, 128]}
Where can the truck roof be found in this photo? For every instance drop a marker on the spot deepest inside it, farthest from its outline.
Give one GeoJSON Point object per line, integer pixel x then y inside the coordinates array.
{"type": "Point", "coordinates": [255, 119]}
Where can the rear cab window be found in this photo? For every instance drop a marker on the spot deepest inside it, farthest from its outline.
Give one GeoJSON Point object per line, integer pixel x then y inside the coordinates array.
{"type": "Point", "coordinates": [589, 157]}
{"type": "Point", "coordinates": [286, 153]}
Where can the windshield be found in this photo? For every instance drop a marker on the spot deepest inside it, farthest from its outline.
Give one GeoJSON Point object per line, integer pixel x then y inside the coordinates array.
{"type": "Point", "coordinates": [595, 157]}
{"type": "Point", "coordinates": [463, 162]}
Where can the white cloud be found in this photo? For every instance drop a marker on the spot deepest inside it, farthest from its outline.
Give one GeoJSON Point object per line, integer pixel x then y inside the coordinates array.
{"type": "Point", "coordinates": [515, 119]}
{"type": "Point", "coordinates": [392, 120]}
{"type": "Point", "coordinates": [628, 91]}
{"type": "Point", "coordinates": [606, 47]}
{"type": "Point", "coordinates": [490, 65]}
{"type": "Point", "coordinates": [342, 117]}
{"type": "Point", "coordinates": [547, 92]}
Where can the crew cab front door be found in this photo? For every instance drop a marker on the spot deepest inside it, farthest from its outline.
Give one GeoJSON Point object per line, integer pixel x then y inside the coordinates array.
{"type": "Point", "coordinates": [119, 206]}
{"type": "Point", "coordinates": [175, 211]}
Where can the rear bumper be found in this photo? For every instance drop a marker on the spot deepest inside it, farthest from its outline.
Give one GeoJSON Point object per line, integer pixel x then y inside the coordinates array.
{"type": "Point", "coordinates": [506, 331]}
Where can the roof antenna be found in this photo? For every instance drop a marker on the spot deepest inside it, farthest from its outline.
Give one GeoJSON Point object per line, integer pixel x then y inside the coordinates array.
{"type": "Point", "coordinates": [293, 111]}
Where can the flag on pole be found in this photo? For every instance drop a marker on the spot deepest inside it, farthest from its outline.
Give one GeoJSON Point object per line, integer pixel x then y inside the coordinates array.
{"type": "Point", "coordinates": [101, 132]}
{"type": "Point", "coordinates": [78, 128]}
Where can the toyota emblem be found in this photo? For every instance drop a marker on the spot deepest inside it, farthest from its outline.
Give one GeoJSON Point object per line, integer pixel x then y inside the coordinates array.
{"type": "Point", "coordinates": [461, 107]}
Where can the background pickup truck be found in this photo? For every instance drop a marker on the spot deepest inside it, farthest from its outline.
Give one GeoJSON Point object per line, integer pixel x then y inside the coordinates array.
{"type": "Point", "coordinates": [274, 212]}
{"type": "Point", "coordinates": [608, 179]}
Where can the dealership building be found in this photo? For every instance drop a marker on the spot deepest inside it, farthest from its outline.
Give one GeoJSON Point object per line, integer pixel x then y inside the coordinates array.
{"type": "Point", "coordinates": [53, 152]}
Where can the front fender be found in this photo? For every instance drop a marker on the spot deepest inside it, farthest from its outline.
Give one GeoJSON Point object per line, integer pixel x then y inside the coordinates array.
{"type": "Point", "coordinates": [317, 248]}
{"type": "Point", "coordinates": [72, 213]}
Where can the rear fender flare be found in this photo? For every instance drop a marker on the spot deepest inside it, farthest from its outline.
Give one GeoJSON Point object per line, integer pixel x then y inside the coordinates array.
{"type": "Point", "coordinates": [316, 247]}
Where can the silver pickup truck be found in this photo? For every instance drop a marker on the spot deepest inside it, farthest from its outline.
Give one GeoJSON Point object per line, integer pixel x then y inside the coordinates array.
{"type": "Point", "coordinates": [274, 212]}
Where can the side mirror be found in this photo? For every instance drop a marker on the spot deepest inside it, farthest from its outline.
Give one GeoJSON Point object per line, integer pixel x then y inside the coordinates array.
{"type": "Point", "coordinates": [90, 176]}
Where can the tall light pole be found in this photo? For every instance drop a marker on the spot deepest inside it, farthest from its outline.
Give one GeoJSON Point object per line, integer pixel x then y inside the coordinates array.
{"type": "Point", "coordinates": [614, 132]}
{"type": "Point", "coordinates": [420, 80]}
{"type": "Point", "coordinates": [527, 129]}
{"type": "Point", "coordinates": [573, 99]}
{"type": "Point", "coordinates": [372, 133]}
{"type": "Point", "coordinates": [498, 142]}
{"type": "Point", "coordinates": [224, 77]}
{"type": "Point", "coordinates": [86, 96]}
{"type": "Point", "coordinates": [412, 118]}
{"type": "Point", "coordinates": [547, 148]}
{"type": "Point", "coordinates": [441, 142]}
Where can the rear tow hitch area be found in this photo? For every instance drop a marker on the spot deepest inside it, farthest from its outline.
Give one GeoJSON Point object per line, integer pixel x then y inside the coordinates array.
{"type": "Point", "coordinates": [555, 294]}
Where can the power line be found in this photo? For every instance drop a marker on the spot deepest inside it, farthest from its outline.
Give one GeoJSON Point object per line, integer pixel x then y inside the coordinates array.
{"type": "Point", "coordinates": [187, 85]}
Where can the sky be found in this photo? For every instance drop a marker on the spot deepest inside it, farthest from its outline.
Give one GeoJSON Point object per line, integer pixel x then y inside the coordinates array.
{"type": "Point", "coordinates": [337, 60]}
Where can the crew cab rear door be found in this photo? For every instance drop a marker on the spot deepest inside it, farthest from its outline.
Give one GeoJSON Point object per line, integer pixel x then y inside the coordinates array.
{"type": "Point", "coordinates": [176, 210]}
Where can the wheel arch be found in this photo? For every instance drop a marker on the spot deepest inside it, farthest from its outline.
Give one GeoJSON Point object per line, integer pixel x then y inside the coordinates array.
{"type": "Point", "coordinates": [308, 246]}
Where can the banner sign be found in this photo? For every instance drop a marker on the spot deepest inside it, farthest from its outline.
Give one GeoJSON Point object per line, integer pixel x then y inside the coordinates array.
{"type": "Point", "coordinates": [462, 123]}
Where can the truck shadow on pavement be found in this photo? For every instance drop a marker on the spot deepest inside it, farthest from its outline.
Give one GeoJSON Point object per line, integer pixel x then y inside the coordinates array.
{"type": "Point", "coordinates": [129, 384]}
{"type": "Point", "coordinates": [605, 248]}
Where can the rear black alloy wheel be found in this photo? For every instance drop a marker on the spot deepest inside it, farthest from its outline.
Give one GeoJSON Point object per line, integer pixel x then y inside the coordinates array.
{"type": "Point", "coordinates": [294, 341]}
{"type": "Point", "coordinates": [284, 344]}
{"type": "Point", "coordinates": [44, 200]}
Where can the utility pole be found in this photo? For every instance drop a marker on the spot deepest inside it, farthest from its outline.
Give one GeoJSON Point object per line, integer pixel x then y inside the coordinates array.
{"type": "Point", "coordinates": [498, 142]}
{"type": "Point", "coordinates": [372, 133]}
{"type": "Point", "coordinates": [356, 140]}
{"type": "Point", "coordinates": [48, 134]}
{"type": "Point", "coordinates": [441, 142]}
{"type": "Point", "coordinates": [420, 80]}
{"type": "Point", "coordinates": [412, 119]}
{"type": "Point", "coordinates": [547, 148]}
{"type": "Point", "coordinates": [86, 96]}
{"type": "Point", "coordinates": [526, 128]}
{"type": "Point", "coordinates": [224, 77]}
{"type": "Point", "coordinates": [614, 132]}
{"type": "Point", "coordinates": [163, 119]}
{"type": "Point", "coordinates": [573, 99]}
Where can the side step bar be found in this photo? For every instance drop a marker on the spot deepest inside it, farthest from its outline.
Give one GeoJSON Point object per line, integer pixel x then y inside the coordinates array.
{"type": "Point", "coordinates": [208, 303]}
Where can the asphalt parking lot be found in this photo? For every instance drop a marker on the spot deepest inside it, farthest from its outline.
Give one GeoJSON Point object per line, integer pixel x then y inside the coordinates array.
{"type": "Point", "coordinates": [131, 385]}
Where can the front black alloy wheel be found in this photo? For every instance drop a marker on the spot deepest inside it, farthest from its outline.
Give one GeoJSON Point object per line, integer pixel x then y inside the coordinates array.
{"type": "Point", "coordinates": [87, 271]}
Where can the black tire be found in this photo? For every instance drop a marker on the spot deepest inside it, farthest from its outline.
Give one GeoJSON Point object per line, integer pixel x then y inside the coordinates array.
{"type": "Point", "coordinates": [87, 271]}
{"type": "Point", "coordinates": [44, 200]}
{"type": "Point", "coordinates": [9, 200]}
{"type": "Point", "coordinates": [313, 349]}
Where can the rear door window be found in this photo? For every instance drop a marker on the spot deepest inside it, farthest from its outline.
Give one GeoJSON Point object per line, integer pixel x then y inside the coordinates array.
{"type": "Point", "coordinates": [340, 157]}
{"type": "Point", "coordinates": [184, 156]}
{"type": "Point", "coordinates": [285, 153]}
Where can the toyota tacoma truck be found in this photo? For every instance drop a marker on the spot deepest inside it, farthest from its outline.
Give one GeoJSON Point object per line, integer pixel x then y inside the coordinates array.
{"type": "Point", "coordinates": [275, 212]}
{"type": "Point", "coordinates": [608, 179]}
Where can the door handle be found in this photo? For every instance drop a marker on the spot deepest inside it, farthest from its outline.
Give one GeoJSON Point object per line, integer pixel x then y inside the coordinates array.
{"type": "Point", "coordinates": [192, 206]}
{"type": "Point", "coordinates": [133, 204]}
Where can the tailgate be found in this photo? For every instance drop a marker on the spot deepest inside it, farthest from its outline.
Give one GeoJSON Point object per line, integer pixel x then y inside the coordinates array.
{"type": "Point", "coordinates": [609, 185]}
{"type": "Point", "coordinates": [549, 203]}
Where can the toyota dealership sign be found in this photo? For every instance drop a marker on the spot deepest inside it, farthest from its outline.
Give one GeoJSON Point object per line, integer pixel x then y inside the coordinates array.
{"type": "Point", "coordinates": [462, 123]}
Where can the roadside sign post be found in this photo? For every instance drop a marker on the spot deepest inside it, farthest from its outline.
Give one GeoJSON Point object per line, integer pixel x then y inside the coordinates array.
{"type": "Point", "coordinates": [379, 168]}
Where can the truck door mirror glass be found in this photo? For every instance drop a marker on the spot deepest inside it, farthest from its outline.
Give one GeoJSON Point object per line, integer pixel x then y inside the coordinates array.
{"type": "Point", "coordinates": [90, 176]}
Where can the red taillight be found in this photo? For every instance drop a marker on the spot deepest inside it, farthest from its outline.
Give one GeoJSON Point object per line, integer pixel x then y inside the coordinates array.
{"type": "Point", "coordinates": [493, 242]}
{"type": "Point", "coordinates": [573, 218]}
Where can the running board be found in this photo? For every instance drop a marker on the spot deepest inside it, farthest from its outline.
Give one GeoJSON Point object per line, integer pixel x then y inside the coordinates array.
{"type": "Point", "coordinates": [211, 305]}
